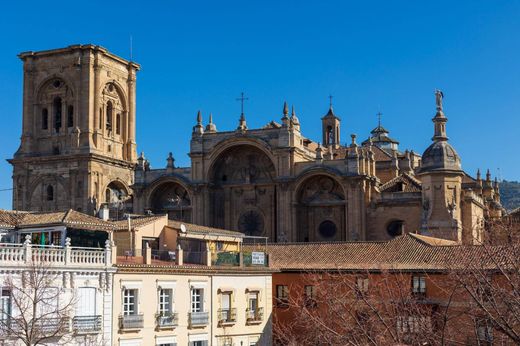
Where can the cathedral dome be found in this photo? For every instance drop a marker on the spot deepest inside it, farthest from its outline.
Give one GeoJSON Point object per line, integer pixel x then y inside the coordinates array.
{"type": "Point", "coordinates": [440, 156]}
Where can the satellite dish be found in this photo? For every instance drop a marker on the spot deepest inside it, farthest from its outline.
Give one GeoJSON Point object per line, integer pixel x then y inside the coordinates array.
{"type": "Point", "coordinates": [183, 228]}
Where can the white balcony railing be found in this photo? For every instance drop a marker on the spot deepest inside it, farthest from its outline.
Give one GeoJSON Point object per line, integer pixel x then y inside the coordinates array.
{"type": "Point", "coordinates": [127, 322]}
{"type": "Point", "coordinates": [198, 319]}
{"type": "Point", "coordinates": [86, 324]}
{"type": "Point", "coordinates": [58, 255]}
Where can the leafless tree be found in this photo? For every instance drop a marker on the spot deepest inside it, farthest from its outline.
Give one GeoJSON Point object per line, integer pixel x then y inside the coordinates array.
{"type": "Point", "coordinates": [364, 308]}
{"type": "Point", "coordinates": [490, 276]}
{"type": "Point", "coordinates": [35, 308]}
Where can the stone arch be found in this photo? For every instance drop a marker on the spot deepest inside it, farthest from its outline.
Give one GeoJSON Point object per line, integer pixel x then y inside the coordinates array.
{"type": "Point", "coordinates": [320, 202]}
{"type": "Point", "coordinates": [115, 191]}
{"type": "Point", "coordinates": [170, 196]}
{"type": "Point", "coordinates": [40, 190]}
{"type": "Point", "coordinates": [54, 97]}
{"type": "Point", "coordinates": [226, 145]}
{"type": "Point", "coordinates": [116, 195]}
{"type": "Point", "coordinates": [242, 188]}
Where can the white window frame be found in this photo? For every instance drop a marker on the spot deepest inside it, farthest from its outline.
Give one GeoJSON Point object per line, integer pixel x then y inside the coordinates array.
{"type": "Point", "coordinates": [165, 301]}
{"type": "Point", "coordinates": [254, 295]}
{"type": "Point", "coordinates": [126, 305]}
{"type": "Point", "coordinates": [197, 299]}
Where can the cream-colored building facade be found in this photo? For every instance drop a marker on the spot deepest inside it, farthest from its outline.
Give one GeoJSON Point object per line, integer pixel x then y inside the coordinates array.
{"type": "Point", "coordinates": [78, 151]}
{"type": "Point", "coordinates": [199, 310]}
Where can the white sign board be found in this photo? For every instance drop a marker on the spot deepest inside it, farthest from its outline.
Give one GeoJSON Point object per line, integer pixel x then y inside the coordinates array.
{"type": "Point", "coordinates": [258, 258]}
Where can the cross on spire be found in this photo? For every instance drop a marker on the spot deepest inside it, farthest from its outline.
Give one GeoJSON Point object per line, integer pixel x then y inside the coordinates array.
{"type": "Point", "coordinates": [379, 114]}
{"type": "Point", "coordinates": [242, 98]}
{"type": "Point", "coordinates": [330, 100]}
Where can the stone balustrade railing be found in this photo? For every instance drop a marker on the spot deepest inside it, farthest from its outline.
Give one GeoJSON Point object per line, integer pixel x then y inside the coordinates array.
{"type": "Point", "coordinates": [56, 255]}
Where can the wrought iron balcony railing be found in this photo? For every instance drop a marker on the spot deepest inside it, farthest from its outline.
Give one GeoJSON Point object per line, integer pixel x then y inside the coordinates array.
{"type": "Point", "coordinates": [131, 321]}
{"type": "Point", "coordinates": [227, 316]}
{"type": "Point", "coordinates": [167, 320]}
{"type": "Point", "coordinates": [86, 324]}
{"type": "Point", "coordinates": [198, 319]}
{"type": "Point", "coordinates": [254, 316]}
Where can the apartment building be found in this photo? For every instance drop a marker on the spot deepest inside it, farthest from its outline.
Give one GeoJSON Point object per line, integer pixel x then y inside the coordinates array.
{"type": "Point", "coordinates": [56, 287]}
{"type": "Point", "coordinates": [184, 284]}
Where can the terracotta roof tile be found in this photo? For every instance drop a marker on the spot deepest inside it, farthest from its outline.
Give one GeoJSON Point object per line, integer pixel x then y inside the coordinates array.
{"type": "Point", "coordinates": [410, 184]}
{"type": "Point", "coordinates": [136, 221]}
{"type": "Point", "coordinates": [407, 252]}
{"type": "Point", "coordinates": [10, 218]}
{"type": "Point", "coordinates": [204, 229]}
{"type": "Point", "coordinates": [70, 218]}
{"type": "Point", "coordinates": [380, 154]}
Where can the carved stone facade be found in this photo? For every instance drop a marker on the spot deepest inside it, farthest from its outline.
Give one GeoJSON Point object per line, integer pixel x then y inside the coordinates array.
{"type": "Point", "coordinates": [78, 145]}
{"type": "Point", "coordinates": [272, 181]}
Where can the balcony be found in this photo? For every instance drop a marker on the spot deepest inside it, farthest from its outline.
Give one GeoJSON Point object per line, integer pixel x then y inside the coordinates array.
{"type": "Point", "coordinates": [198, 319]}
{"type": "Point", "coordinates": [167, 320]}
{"type": "Point", "coordinates": [131, 322]}
{"type": "Point", "coordinates": [254, 316]}
{"type": "Point", "coordinates": [40, 326]}
{"type": "Point", "coordinates": [227, 316]}
{"type": "Point", "coordinates": [86, 324]}
{"type": "Point", "coordinates": [19, 254]}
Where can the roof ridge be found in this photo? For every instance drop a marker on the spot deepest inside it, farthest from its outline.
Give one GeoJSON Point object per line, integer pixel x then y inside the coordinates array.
{"type": "Point", "coordinates": [338, 242]}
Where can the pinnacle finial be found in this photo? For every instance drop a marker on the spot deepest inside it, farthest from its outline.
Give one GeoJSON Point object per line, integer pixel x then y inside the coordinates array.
{"type": "Point", "coordinates": [488, 175]}
{"type": "Point", "coordinates": [285, 108]}
{"type": "Point", "coordinates": [478, 174]}
{"type": "Point", "coordinates": [211, 127]}
{"type": "Point", "coordinates": [199, 118]}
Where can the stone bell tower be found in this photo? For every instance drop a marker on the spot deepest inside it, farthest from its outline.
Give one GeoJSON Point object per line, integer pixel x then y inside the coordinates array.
{"type": "Point", "coordinates": [78, 145]}
{"type": "Point", "coordinates": [330, 128]}
{"type": "Point", "coordinates": [441, 176]}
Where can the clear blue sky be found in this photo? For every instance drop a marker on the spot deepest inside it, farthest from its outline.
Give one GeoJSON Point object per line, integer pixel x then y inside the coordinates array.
{"type": "Point", "coordinates": [371, 55]}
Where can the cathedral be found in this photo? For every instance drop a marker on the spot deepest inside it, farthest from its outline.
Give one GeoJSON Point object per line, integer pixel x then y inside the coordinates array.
{"type": "Point", "coordinates": [78, 151]}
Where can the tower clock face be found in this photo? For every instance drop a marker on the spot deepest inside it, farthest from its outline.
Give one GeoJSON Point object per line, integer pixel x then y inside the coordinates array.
{"type": "Point", "coordinates": [251, 223]}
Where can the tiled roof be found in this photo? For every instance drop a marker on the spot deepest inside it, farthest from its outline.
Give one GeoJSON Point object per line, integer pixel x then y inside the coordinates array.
{"type": "Point", "coordinates": [70, 218]}
{"type": "Point", "coordinates": [10, 218]}
{"type": "Point", "coordinates": [204, 229]}
{"type": "Point", "coordinates": [136, 221]}
{"type": "Point", "coordinates": [406, 252]}
{"type": "Point", "coordinates": [380, 154]}
{"type": "Point", "coordinates": [410, 184]}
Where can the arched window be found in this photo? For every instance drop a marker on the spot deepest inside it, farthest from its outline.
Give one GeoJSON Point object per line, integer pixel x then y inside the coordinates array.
{"type": "Point", "coordinates": [70, 116]}
{"type": "Point", "coordinates": [57, 113]}
{"type": "Point", "coordinates": [109, 115]}
{"type": "Point", "coordinates": [118, 123]}
{"type": "Point", "coordinates": [50, 193]}
{"type": "Point", "coordinates": [45, 119]}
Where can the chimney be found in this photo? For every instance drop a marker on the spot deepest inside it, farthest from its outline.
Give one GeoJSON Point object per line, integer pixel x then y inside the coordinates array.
{"type": "Point", "coordinates": [104, 212]}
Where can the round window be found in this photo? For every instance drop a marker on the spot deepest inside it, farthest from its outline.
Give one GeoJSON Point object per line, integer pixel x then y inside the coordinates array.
{"type": "Point", "coordinates": [395, 228]}
{"type": "Point", "coordinates": [251, 223]}
{"type": "Point", "coordinates": [327, 229]}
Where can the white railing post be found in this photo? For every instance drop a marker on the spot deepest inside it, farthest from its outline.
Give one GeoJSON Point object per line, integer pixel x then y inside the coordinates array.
{"type": "Point", "coordinates": [108, 253]}
{"type": "Point", "coordinates": [147, 254]}
{"type": "Point", "coordinates": [179, 257]}
{"type": "Point", "coordinates": [27, 249]}
{"type": "Point", "coordinates": [67, 251]}
{"type": "Point", "coordinates": [208, 257]}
